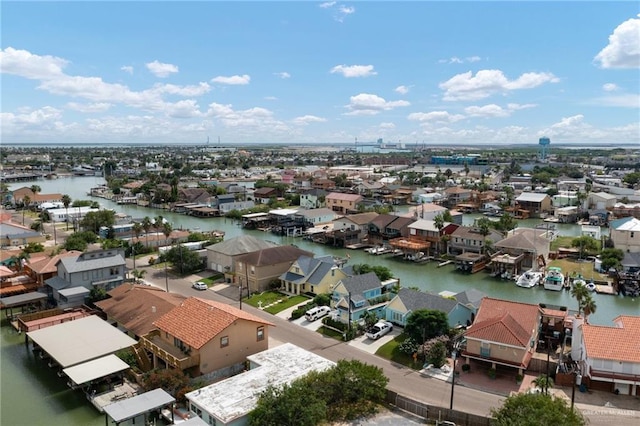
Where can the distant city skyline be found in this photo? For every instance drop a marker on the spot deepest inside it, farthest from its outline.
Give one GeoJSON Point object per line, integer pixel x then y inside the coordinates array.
{"type": "Point", "coordinates": [434, 73]}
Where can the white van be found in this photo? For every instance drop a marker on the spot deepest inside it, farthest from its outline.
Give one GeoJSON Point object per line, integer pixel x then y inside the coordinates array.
{"type": "Point", "coordinates": [317, 312]}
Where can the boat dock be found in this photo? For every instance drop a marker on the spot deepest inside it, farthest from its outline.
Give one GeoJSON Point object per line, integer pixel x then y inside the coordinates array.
{"type": "Point", "coordinates": [605, 289]}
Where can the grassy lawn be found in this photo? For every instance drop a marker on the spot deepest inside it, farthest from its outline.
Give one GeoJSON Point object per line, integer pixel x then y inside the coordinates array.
{"type": "Point", "coordinates": [569, 266]}
{"type": "Point", "coordinates": [330, 333]}
{"type": "Point", "coordinates": [212, 279]}
{"type": "Point", "coordinates": [391, 352]}
{"type": "Point", "coordinates": [269, 297]}
{"type": "Point", "coordinates": [561, 242]}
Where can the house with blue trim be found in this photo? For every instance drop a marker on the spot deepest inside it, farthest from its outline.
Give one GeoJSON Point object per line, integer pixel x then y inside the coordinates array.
{"type": "Point", "coordinates": [358, 294]}
{"type": "Point", "coordinates": [407, 301]}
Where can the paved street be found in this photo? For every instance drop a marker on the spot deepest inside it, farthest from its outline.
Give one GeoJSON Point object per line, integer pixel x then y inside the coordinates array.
{"type": "Point", "coordinates": [402, 379]}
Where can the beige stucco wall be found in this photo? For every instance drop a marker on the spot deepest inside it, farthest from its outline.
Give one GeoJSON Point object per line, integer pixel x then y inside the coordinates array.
{"type": "Point", "coordinates": [499, 352]}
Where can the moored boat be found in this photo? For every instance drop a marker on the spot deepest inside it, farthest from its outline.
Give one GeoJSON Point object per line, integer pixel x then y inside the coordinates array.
{"type": "Point", "coordinates": [554, 279]}
{"type": "Point", "coordinates": [529, 279]}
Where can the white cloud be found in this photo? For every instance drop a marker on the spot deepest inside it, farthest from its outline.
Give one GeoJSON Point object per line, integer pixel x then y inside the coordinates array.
{"type": "Point", "coordinates": [387, 126]}
{"type": "Point", "coordinates": [307, 119]}
{"type": "Point", "coordinates": [623, 100]}
{"type": "Point", "coordinates": [339, 11]}
{"type": "Point", "coordinates": [403, 90]}
{"type": "Point", "coordinates": [466, 86]}
{"type": "Point", "coordinates": [435, 116]}
{"type": "Point", "coordinates": [610, 87]}
{"type": "Point", "coordinates": [43, 122]}
{"type": "Point", "coordinates": [493, 110]}
{"type": "Point", "coordinates": [368, 104]}
{"type": "Point", "coordinates": [187, 108]}
{"type": "Point", "coordinates": [127, 69]}
{"type": "Point", "coordinates": [350, 71]}
{"type": "Point", "coordinates": [160, 69]}
{"type": "Point", "coordinates": [623, 50]}
{"type": "Point", "coordinates": [193, 90]}
{"type": "Point", "coordinates": [27, 65]}
{"type": "Point", "coordinates": [283, 75]}
{"type": "Point", "coordinates": [232, 80]}
{"type": "Point", "coordinates": [456, 60]}
{"type": "Point", "coordinates": [327, 5]}
{"type": "Point", "coordinates": [249, 121]}
{"type": "Point", "coordinates": [89, 108]}
{"type": "Point", "coordinates": [270, 98]}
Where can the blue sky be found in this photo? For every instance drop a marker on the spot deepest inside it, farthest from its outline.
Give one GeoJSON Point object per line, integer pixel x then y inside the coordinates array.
{"type": "Point", "coordinates": [320, 72]}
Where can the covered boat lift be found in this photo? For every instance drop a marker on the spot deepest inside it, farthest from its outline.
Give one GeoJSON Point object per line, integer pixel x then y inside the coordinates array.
{"type": "Point", "coordinates": [79, 341]}
{"type": "Point", "coordinates": [81, 375]}
{"type": "Point", "coordinates": [139, 405]}
{"type": "Point", "coordinates": [21, 301]}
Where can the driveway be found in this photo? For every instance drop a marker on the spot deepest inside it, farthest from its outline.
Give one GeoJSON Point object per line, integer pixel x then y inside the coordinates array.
{"type": "Point", "coordinates": [372, 346]}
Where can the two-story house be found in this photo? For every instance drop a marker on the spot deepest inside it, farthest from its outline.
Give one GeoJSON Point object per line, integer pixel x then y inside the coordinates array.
{"type": "Point", "coordinates": [351, 229]}
{"type": "Point", "coordinates": [313, 199]}
{"type": "Point", "coordinates": [220, 256]}
{"type": "Point", "coordinates": [343, 203]}
{"type": "Point", "coordinates": [206, 337]}
{"type": "Point", "coordinates": [525, 248]}
{"type": "Point", "coordinates": [470, 239]}
{"type": "Point", "coordinates": [358, 294]}
{"type": "Point", "coordinates": [426, 230]}
{"type": "Point", "coordinates": [504, 333]}
{"type": "Point", "coordinates": [610, 356]}
{"type": "Point", "coordinates": [533, 203]}
{"type": "Point", "coordinates": [386, 227]}
{"type": "Point", "coordinates": [625, 234]}
{"type": "Point", "coordinates": [316, 217]}
{"type": "Point", "coordinates": [264, 195]}
{"type": "Point", "coordinates": [407, 301]}
{"type": "Point", "coordinates": [77, 275]}
{"type": "Point", "coordinates": [259, 270]}
{"type": "Point", "coordinates": [317, 275]}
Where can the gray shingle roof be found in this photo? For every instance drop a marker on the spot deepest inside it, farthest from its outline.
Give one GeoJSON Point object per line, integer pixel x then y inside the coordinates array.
{"type": "Point", "coordinates": [358, 284]}
{"type": "Point", "coordinates": [241, 245]}
{"type": "Point", "coordinates": [85, 263]}
{"type": "Point", "coordinates": [414, 300]}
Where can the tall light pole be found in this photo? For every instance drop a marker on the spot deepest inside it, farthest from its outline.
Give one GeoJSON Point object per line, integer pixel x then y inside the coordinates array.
{"type": "Point", "coordinates": [166, 275]}
{"type": "Point", "coordinates": [454, 355]}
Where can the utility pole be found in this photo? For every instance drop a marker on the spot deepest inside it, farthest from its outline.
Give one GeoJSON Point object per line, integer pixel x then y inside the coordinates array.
{"type": "Point", "coordinates": [454, 355]}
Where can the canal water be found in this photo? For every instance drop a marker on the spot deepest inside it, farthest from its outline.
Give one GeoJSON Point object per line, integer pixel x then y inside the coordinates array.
{"type": "Point", "coordinates": [32, 393]}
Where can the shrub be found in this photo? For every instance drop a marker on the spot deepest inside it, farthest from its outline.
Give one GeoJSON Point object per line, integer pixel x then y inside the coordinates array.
{"type": "Point", "coordinates": [519, 378]}
{"type": "Point", "coordinates": [466, 367]}
{"type": "Point", "coordinates": [492, 373]}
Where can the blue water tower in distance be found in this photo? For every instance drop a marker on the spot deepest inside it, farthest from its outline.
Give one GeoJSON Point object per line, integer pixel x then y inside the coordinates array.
{"type": "Point", "coordinates": [544, 142]}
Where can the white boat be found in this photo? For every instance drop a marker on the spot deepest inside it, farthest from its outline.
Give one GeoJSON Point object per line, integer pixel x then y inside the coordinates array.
{"type": "Point", "coordinates": [529, 279]}
{"type": "Point", "coordinates": [554, 279]}
{"type": "Point", "coordinates": [591, 286]}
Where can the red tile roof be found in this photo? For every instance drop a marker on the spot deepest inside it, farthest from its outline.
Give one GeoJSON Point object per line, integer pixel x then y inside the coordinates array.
{"type": "Point", "coordinates": [615, 343]}
{"type": "Point", "coordinates": [196, 321]}
{"type": "Point", "coordinates": [506, 322]}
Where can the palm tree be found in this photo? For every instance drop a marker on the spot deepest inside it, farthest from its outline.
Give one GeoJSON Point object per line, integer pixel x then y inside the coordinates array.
{"type": "Point", "coordinates": [138, 274]}
{"type": "Point", "coordinates": [137, 230]}
{"type": "Point", "coordinates": [66, 201]}
{"type": "Point", "coordinates": [35, 189]}
{"type": "Point", "coordinates": [26, 201]}
{"type": "Point", "coordinates": [580, 292]}
{"type": "Point", "coordinates": [543, 382]}
{"type": "Point", "coordinates": [146, 225]}
{"type": "Point", "coordinates": [588, 307]}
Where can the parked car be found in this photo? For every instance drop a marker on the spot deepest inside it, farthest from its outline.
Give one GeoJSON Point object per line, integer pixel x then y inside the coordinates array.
{"type": "Point", "coordinates": [379, 329]}
{"type": "Point", "coordinates": [317, 312]}
{"type": "Point", "coordinates": [199, 285]}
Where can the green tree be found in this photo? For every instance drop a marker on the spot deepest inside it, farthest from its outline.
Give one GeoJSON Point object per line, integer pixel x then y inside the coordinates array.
{"type": "Point", "coordinates": [382, 272]}
{"type": "Point", "coordinates": [147, 225]}
{"type": "Point", "coordinates": [529, 409]}
{"type": "Point", "coordinates": [66, 202]}
{"type": "Point", "coordinates": [437, 354]}
{"type": "Point", "coordinates": [586, 244]}
{"type": "Point", "coordinates": [35, 189]}
{"type": "Point", "coordinates": [579, 291]}
{"type": "Point", "coordinates": [26, 202]}
{"type": "Point", "coordinates": [290, 405]}
{"type": "Point", "coordinates": [588, 307]}
{"type": "Point", "coordinates": [80, 240]}
{"type": "Point", "coordinates": [424, 324]}
{"type": "Point", "coordinates": [94, 220]}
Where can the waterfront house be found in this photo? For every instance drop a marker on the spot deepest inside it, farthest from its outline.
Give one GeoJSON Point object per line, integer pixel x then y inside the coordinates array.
{"type": "Point", "coordinates": [343, 203]}
{"type": "Point", "coordinates": [316, 275]}
{"type": "Point", "coordinates": [264, 195]}
{"type": "Point", "coordinates": [194, 195]}
{"type": "Point", "coordinates": [229, 402]}
{"type": "Point", "coordinates": [426, 211]}
{"type": "Point", "coordinates": [526, 247]}
{"type": "Point", "coordinates": [220, 256]}
{"type": "Point", "coordinates": [316, 217]}
{"type": "Point", "coordinates": [426, 230]}
{"type": "Point", "coordinates": [456, 195]}
{"type": "Point", "coordinates": [78, 275]}
{"type": "Point", "coordinates": [260, 270]}
{"type": "Point", "coordinates": [41, 267]}
{"type": "Point", "coordinates": [625, 234]}
{"type": "Point", "coordinates": [313, 199]}
{"type": "Point", "coordinates": [471, 298]}
{"type": "Point", "coordinates": [504, 334]}
{"type": "Point", "coordinates": [351, 229]}
{"type": "Point", "coordinates": [386, 227]}
{"type": "Point", "coordinates": [134, 308]}
{"type": "Point", "coordinates": [534, 203]}
{"type": "Point", "coordinates": [17, 197]}
{"type": "Point", "coordinates": [601, 200]}
{"type": "Point", "coordinates": [205, 337]}
{"type": "Point", "coordinates": [469, 239]}
{"type": "Point", "coordinates": [323, 183]}
{"type": "Point", "coordinates": [356, 295]}
{"type": "Point", "coordinates": [610, 356]}
{"type": "Point", "coordinates": [407, 301]}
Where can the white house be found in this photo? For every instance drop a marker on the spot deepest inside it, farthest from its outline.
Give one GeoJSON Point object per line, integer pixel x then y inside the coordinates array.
{"type": "Point", "coordinates": [229, 401]}
{"type": "Point", "coordinates": [625, 234]}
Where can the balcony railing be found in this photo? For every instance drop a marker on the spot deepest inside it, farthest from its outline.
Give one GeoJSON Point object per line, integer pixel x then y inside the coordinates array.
{"type": "Point", "coordinates": [172, 355]}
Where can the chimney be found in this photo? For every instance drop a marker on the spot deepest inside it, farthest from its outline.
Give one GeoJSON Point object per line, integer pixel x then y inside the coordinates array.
{"type": "Point", "coordinates": [153, 309]}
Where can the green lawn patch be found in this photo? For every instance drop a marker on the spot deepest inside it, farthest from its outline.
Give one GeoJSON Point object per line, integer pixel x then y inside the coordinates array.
{"type": "Point", "coordinates": [561, 242]}
{"type": "Point", "coordinates": [331, 333]}
{"type": "Point", "coordinates": [278, 301]}
{"type": "Point", "coordinates": [391, 352]}
{"type": "Point", "coordinates": [212, 279]}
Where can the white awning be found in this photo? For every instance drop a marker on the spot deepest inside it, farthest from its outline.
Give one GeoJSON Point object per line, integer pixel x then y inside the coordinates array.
{"type": "Point", "coordinates": [101, 367]}
{"type": "Point", "coordinates": [139, 404]}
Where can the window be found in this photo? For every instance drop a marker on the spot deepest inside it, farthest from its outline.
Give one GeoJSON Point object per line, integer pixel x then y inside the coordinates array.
{"type": "Point", "coordinates": [260, 334]}
{"type": "Point", "coordinates": [224, 341]}
{"type": "Point", "coordinates": [178, 343]}
{"type": "Point", "coordinates": [485, 349]}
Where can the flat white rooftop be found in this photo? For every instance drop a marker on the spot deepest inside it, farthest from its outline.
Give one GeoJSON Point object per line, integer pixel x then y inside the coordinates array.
{"type": "Point", "coordinates": [81, 340]}
{"type": "Point", "coordinates": [91, 370]}
{"type": "Point", "coordinates": [236, 396]}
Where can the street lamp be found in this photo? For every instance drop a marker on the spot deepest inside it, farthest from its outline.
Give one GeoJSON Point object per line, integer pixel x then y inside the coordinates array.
{"type": "Point", "coordinates": [454, 355]}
